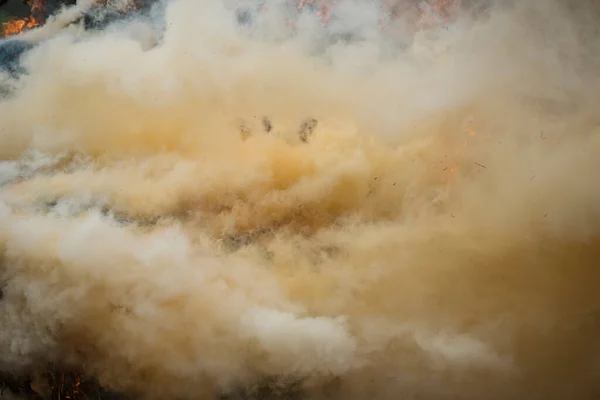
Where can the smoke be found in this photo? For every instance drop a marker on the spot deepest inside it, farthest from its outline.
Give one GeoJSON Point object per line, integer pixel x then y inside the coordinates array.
{"type": "Point", "coordinates": [437, 236]}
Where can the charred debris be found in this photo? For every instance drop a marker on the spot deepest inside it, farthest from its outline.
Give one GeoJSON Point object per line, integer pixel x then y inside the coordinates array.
{"type": "Point", "coordinates": [55, 384]}
{"type": "Point", "coordinates": [70, 384]}
{"type": "Point", "coordinates": [304, 132]}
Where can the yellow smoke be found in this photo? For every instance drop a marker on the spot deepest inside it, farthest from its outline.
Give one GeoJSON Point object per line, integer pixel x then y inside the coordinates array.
{"type": "Point", "coordinates": [438, 237]}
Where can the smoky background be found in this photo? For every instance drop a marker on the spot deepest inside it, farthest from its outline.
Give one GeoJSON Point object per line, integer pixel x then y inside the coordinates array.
{"type": "Point", "coordinates": [437, 236]}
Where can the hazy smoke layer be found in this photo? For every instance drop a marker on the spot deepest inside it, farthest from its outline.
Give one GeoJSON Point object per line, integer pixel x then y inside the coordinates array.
{"type": "Point", "coordinates": [437, 237]}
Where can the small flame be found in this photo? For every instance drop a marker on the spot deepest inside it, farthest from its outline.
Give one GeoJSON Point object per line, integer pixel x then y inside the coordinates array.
{"type": "Point", "coordinates": [18, 26]}
{"type": "Point", "coordinates": [67, 385]}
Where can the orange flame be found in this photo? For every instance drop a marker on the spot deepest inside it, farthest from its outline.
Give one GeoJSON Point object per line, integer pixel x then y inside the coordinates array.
{"type": "Point", "coordinates": [18, 26]}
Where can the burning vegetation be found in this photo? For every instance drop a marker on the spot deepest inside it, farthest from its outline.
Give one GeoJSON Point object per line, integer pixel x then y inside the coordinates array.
{"type": "Point", "coordinates": [16, 26]}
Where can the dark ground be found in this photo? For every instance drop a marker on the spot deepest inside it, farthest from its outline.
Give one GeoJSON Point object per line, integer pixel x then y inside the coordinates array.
{"type": "Point", "coordinates": [56, 384]}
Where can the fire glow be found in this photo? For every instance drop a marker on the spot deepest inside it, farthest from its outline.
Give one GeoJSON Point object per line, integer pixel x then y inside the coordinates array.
{"type": "Point", "coordinates": [16, 26]}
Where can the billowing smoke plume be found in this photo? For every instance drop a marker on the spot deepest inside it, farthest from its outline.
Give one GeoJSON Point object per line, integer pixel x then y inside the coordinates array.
{"type": "Point", "coordinates": [164, 227]}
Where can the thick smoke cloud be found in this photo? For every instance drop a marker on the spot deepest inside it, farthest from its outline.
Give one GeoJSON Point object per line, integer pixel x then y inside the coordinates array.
{"type": "Point", "coordinates": [437, 237]}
